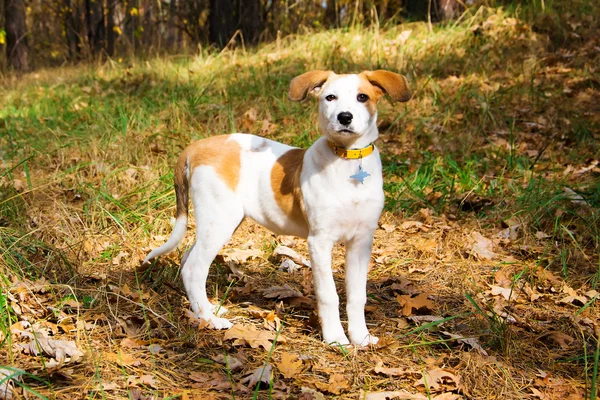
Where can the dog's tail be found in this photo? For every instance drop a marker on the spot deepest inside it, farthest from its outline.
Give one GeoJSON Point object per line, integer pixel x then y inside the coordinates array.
{"type": "Point", "coordinates": [182, 196]}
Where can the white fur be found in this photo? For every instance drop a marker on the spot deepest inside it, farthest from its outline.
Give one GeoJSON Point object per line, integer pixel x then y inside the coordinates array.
{"type": "Point", "coordinates": [338, 209]}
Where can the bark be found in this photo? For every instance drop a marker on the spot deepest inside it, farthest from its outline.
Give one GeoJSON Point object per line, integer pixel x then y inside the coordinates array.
{"type": "Point", "coordinates": [228, 16]}
{"type": "Point", "coordinates": [110, 27]}
{"type": "Point", "coordinates": [72, 29]}
{"type": "Point", "coordinates": [17, 49]}
{"type": "Point", "coordinates": [96, 31]}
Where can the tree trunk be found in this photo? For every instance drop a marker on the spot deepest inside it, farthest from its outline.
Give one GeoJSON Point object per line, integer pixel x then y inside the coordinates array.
{"type": "Point", "coordinates": [227, 16]}
{"type": "Point", "coordinates": [171, 29]}
{"type": "Point", "coordinates": [332, 14]}
{"type": "Point", "coordinates": [96, 32]}
{"type": "Point", "coordinates": [222, 19]}
{"type": "Point", "coordinates": [72, 30]}
{"type": "Point", "coordinates": [110, 27]}
{"type": "Point", "coordinates": [17, 49]}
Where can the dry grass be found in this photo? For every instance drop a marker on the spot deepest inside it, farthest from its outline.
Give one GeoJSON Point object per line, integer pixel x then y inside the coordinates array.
{"type": "Point", "coordinates": [504, 118]}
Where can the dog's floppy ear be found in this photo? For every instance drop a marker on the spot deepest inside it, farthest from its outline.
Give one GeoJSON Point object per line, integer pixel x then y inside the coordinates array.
{"type": "Point", "coordinates": [303, 84]}
{"type": "Point", "coordinates": [395, 85]}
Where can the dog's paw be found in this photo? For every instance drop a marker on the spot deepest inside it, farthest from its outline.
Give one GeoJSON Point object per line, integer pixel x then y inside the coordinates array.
{"type": "Point", "coordinates": [218, 310]}
{"type": "Point", "coordinates": [363, 339]}
{"type": "Point", "coordinates": [337, 340]}
{"type": "Point", "coordinates": [215, 322]}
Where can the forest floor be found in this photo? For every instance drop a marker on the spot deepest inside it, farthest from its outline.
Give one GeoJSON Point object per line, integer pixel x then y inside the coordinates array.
{"type": "Point", "coordinates": [485, 272]}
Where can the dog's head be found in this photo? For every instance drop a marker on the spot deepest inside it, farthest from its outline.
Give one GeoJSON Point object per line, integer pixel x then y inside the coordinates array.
{"type": "Point", "coordinates": [348, 103]}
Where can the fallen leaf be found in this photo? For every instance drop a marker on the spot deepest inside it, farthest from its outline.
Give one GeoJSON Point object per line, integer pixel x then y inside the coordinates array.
{"type": "Point", "coordinates": [250, 118]}
{"type": "Point", "coordinates": [281, 292]}
{"type": "Point", "coordinates": [290, 365]}
{"type": "Point", "coordinates": [267, 127]}
{"type": "Point", "coordinates": [541, 235]}
{"type": "Point", "coordinates": [572, 297]}
{"type": "Point", "coordinates": [418, 302]}
{"type": "Point", "coordinates": [106, 386]}
{"type": "Point", "coordinates": [434, 378]}
{"type": "Point", "coordinates": [310, 394]}
{"type": "Point", "coordinates": [468, 341]}
{"type": "Point", "coordinates": [248, 334]}
{"type": "Point", "coordinates": [427, 246]}
{"type": "Point", "coordinates": [506, 293]}
{"type": "Point", "coordinates": [231, 362]}
{"type": "Point", "coordinates": [411, 224]}
{"type": "Point", "coordinates": [337, 384]}
{"type": "Point", "coordinates": [482, 247]}
{"type": "Point", "coordinates": [261, 376]}
{"type": "Point", "coordinates": [380, 369]}
{"type": "Point", "coordinates": [58, 349]}
{"type": "Point", "coordinates": [155, 348]}
{"type": "Point", "coordinates": [272, 321]}
{"type": "Point", "coordinates": [123, 359]}
{"type": "Point", "coordinates": [289, 266]}
{"type": "Point", "coordinates": [561, 339]}
{"type": "Point", "coordinates": [7, 376]}
{"type": "Point", "coordinates": [293, 255]}
{"type": "Point", "coordinates": [502, 280]}
{"type": "Point", "coordinates": [242, 255]}
{"type": "Point", "coordinates": [388, 227]}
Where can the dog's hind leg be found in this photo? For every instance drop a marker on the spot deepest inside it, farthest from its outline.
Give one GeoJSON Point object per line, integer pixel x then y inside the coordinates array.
{"type": "Point", "coordinates": [217, 218]}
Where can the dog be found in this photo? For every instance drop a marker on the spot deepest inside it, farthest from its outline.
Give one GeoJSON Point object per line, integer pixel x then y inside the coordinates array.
{"type": "Point", "coordinates": [332, 192]}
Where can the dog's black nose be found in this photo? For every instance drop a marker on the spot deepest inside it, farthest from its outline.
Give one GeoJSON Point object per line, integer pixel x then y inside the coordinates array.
{"type": "Point", "coordinates": [345, 118]}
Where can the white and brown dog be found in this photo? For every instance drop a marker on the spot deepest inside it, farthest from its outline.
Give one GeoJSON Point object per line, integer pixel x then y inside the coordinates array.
{"type": "Point", "coordinates": [330, 193]}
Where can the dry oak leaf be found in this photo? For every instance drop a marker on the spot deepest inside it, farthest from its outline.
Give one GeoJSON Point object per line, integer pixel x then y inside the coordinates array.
{"type": "Point", "coordinates": [572, 296]}
{"type": "Point", "coordinates": [436, 377]}
{"type": "Point", "coordinates": [7, 376]}
{"type": "Point", "coordinates": [231, 362]}
{"type": "Point", "coordinates": [418, 302]}
{"type": "Point", "coordinates": [507, 293]}
{"type": "Point", "coordinates": [471, 341]}
{"type": "Point", "coordinates": [290, 365]}
{"type": "Point", "coordinates": [388, 227]}
{"type": "Point", "coordinates": [58, 349]}
{"type": "Point", "coordinates": [380, 369]}
{"type": "Point", "coordinates": [123, 359]}
{"type": "Point", "coordinates": [286, 251]}
{"type": "Point", "coordinates": [281, 292]}
{"type": "Point", "coordinates": [482, 247]}
{"type": "Point", "coordinates": [261, 375]}
{"type": "Point", "coordinates": [561, 339]}
{"type": "Point", "coordinates": [216, 380]}
{"type": "Point", "coordinates": [337, 384]}
{"type": "Point", "coordinates": [248, 334]}
{"type": "Point", "coordinates": [240, 256]}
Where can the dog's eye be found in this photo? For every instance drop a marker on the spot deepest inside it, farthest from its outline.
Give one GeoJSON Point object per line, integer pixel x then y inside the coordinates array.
{"type": "Point", "coordinates": [330, 97]}
{"type": "Point", "coordinates": [362, 98]}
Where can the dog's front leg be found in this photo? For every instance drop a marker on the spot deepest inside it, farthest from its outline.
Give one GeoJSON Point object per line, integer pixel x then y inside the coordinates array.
{"type": "Point", "coordinates": [320, 248]}
{"type": "Point", "coordinates": [358, 254]}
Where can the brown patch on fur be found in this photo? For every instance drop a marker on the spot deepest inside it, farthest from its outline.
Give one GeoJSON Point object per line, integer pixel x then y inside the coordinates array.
{"type": "Point", "coordinates": [303, 84]}
{"type": "Point", "coordinates": [217, 151]}
{"type": "Point", "coordinates": [395, 85]}
{"type": "Point", "coordinates": [285, 182]}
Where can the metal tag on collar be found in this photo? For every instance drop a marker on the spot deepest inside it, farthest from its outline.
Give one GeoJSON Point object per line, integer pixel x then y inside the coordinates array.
{"type": "Point", "coordinates": [361, 174]}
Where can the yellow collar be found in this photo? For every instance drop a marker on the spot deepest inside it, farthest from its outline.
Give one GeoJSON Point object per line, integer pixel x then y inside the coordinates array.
{"type": "Point", "coordinates": [351, 153]}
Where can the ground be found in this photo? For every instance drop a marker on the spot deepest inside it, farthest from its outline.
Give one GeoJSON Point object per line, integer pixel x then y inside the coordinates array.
{"type": "Point", "coordinates": [485, 273]}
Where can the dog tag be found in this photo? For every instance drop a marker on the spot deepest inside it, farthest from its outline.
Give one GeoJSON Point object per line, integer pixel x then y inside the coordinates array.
{"type": "Point", "coordinates": [361, 174]}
